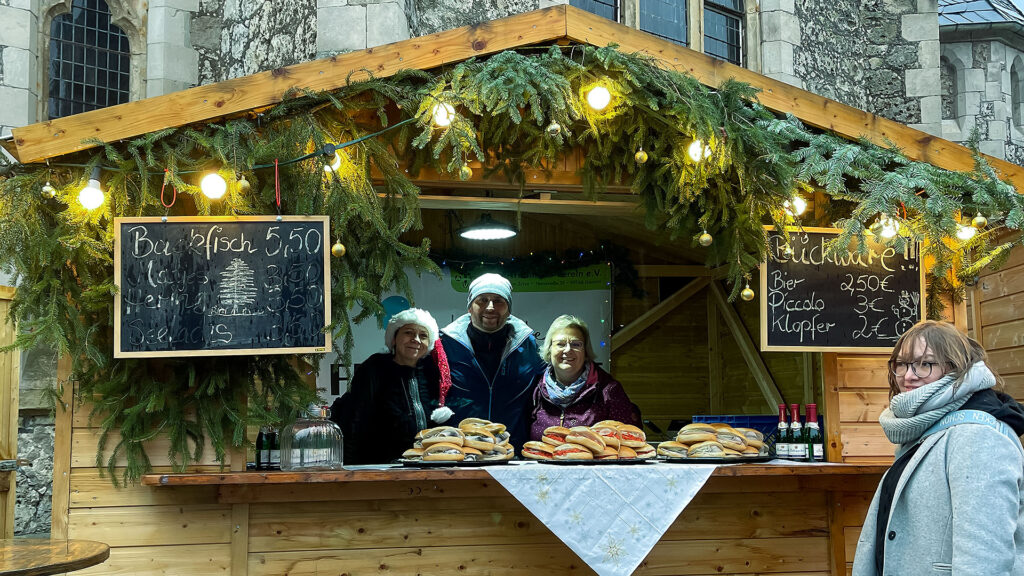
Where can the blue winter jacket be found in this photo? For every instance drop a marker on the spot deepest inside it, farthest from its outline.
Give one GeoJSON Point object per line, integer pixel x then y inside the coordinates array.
{"type": "Point", "coordinates": [508, 398]}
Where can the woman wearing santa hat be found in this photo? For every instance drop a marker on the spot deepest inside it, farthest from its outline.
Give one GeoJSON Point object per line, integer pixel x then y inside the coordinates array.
{"type": "Point", "coordinates": [392, 394]}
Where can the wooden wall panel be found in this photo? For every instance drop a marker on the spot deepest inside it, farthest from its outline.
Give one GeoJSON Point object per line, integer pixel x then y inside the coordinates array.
{"type": "Point", "coordinates": [152, 525]}
{"type": "Point", "coordinates": [999, 296]}
{"type": "Point", "coordinates": [91, 489]}
{"type": "Point", "coordinates": [861, 393]}
{"type": "Point", "coordinates": [202, 559]}
{"type": "Point", "coordinates": [84, 442]}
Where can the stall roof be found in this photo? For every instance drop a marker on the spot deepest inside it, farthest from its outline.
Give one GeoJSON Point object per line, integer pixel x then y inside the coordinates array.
{"type": "Point", "coordinates": [37, 142]}
{"type": "Point", "coordinates": [958, 12]}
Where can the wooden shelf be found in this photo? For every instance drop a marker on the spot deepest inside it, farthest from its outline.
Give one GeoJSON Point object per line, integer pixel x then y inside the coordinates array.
{"type": "Point", "coordinates": [418, 474]}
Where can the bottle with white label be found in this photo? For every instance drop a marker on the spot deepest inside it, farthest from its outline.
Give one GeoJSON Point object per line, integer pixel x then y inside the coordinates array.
{"type": "Point", "coordinates": [813, 440]}
{"type": "Point", "coordinates": [797, 449]}
{"type": "Point", "coordinates": [782, 435]}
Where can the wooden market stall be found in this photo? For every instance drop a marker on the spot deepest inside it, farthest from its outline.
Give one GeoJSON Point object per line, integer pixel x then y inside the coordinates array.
{"type": "Point", "coordinates": [747, 520]}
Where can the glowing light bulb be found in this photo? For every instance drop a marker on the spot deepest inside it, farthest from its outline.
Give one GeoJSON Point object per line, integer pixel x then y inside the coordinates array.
{"type": "Point", "coordinates": [795, 206]}
{"type": "Point", "coordinates": [599, 97]}
{"type": "Point", "coordinates": [696, 151]}
{"type": "Point", "coordinates": [335, 164]}
{"type": "Point", "coordinates": [889, 227]}
{"type": "Point", "coordinates": [443, 114]}
{"type": "Point", "coordinates": [213, 185]}
{"type": "Point", "coordinates": [965, 232]}
{"type": "Point", "coordinates": [91, 197]}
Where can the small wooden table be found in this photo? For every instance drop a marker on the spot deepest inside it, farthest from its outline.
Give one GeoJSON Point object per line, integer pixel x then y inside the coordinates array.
{"type": "Point", "coordinates": [32, 557]}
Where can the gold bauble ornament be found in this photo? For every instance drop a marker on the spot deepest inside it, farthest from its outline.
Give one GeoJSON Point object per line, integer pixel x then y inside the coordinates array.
{"type": "Point", "coordinates": [640, 156]}
{"type": "Point", "coordinates": [48, 190]}
{"type": "Point", "coordinates": [243, 185]}
{"type": "Point", "coordinates": [747, 294]}
{"type": "Point", "coordinates": [338, 250]}
{"type": "Point", "coordinates": [787, 251]}
{"type": "Point", "coordinates": [465, 173]}
{"type": "Point", "coordinates": [979, 221]}
{"type": "Point", "coordinates": [705, 239]}
{"type": "Point", "coordinates": [554, 129]}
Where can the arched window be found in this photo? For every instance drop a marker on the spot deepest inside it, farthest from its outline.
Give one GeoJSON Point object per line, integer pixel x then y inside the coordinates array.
{"type": "Point", "coordinates": [1017, 93]}
{"type": "Point", "coordinates": [950, 93]}
{"type": "Point", "coordinates": [90, 60]}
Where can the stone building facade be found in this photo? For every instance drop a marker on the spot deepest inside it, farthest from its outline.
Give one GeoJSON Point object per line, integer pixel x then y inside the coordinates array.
{"type": "Point", "coordinates": [943, 66]}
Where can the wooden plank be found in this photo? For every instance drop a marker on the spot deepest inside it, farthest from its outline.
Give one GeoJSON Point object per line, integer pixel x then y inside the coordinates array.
{"type": "Point", "coordinates": [205, 559]}
{"type": "Point", "coordinates": [152, 525]}
{"type": "Point", "coordinates": [667, 557]}
{"type": "Point", "coordinates": [1013, 385]}
{"type": "Point", "coordinates": [1004, 335]}
{"type": "Point", "coordinates": [672, 270]}
{"type": "Point", "coordinates": [866, 440]}
{"type": "Point", "coordinates": [863, 372]}
{"type": "Point", "coordinates": [862, 405]}
{"type": "Point", "coordinates": [503, 521]}
{"type": "Point", "coordinates": [37, 557]}
{"type": "Point", "coordinates": [10, 368]}
{"type": "Point", "coordinates": [716, 386]}
{"type": "Point", "coordinates": [84, 442]}
{"type": "Point", "coordinates": [810, 108]}
{"type": "Point", "coordinates": [748, 349]}
{"type": "Point", "coordinates": [212, 101]}
{"type": "Point", "coordinates": [91, 489]}
{"type": "Point", "coordinates": [1006, 282]}
{"type": "Point", "coordinates": [638, 326]}
{"type": "Point", "coordinates": [529, 205]}
{"type": "Point", "coordinates": [239, 539]}
{"type": "Point", "coordinates": [837, 559]}
{"type": "Point", "coordinates": [996, 310]}
{"type": "Point", "coordinates": [62, 452]}
{"type": "Point", "coordinates": [977, 318]}
{"type": "Point", "coordinates": [1007, 361]}
{"type": "Point", "coordinates": [850, 536]}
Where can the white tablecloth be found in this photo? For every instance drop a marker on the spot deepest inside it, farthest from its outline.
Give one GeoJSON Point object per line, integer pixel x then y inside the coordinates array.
{"type": "Point", "coordinates": [610, 516]}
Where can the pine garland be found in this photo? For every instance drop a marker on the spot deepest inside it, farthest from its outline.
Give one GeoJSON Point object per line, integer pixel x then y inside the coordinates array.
{"type": "Point", "coordinates": [62, 257]}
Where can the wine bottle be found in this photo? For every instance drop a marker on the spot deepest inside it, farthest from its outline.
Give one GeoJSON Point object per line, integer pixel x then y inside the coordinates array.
{"type": "Point", "coordinates": [262, 449]}
{"type": "Point", "coordinates": [813, 439]}
{"type": "Point", "coordinates": [782, 435]}
{"type": "Point", "coordinates": [274, 459]}
{"type": "Point", "coordinates": [797, 449]}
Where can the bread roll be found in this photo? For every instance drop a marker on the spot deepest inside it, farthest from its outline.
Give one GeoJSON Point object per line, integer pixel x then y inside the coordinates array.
{"type": "Point", "coordinates": [751, 434]}
{"type": "Point", "coordinates": [626, 453]}
{"type": "Point", "coordinates": [572, 452]}
{"type": "Point", "coordinates": [646, 452]}
{"type": "Point", "coordinates": [466, 423]}
{"type": "Point", "coordinates": [413, 454]}
{"type": "Point", "coordinates": [609, 434]}
{"type": "Point", "coordinates": [695, 433]}
{"type": "Point", "coordinates": [608, 453]}
{"type": "Point", "coordinates": [495, 428]}
{"type": "Point", "coordinates": [612, 423]}
{"type": "Point", "coordinates": [673, 450]}
{"type": "Point", "coordinates": [731, 439]}
{"type": "Point", "coordinates": [444, 452]}
{"type": "Point", "coordinates": [632, 436]}
{"type": "Point", "coordinates": [751, 451]}
{"type": "Point", "coordinates": [472, 454]}
{"type": "Point", "coordinates": [706, 450]}
{"type": "Point", "coordinates": [585, 437]}
{"type": "Point", "coordinates": [496, 452]}
{"type": "Point", "coordinates": [555, 435]}
{"type": "Point", "coordinates": [479, 438]}
{"type": "Point", "coordinates": [443, 434]}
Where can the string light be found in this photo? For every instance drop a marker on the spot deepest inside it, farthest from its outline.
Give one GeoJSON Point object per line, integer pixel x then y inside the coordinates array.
{"type": "Point", "coordinates": [442, 114]}
{"type": "Point", "coordinates": [696, 150]}
{"type": "Point", "coordinates": [213, 186]}
{"type": "Point", "coordinates": [795, 206]}
{"type": "Point", "coordinates": [335, 164]}
{"type": "Point", "coordinates": [965, 232]}
{"type": "Point", "coordinates": [91, 197]}
{"type": "Point", "coordinates": [886, 226]}
{"type": "Point", "coordinates": [598, 98]}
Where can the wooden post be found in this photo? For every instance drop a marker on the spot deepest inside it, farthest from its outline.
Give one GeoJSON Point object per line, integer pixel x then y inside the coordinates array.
{"type": "Point", "coordinates": [834, 440]}
{"type": "Point", "coordinates": [61, 499]}
{"type": "Point", "coordinates": [9, 377]}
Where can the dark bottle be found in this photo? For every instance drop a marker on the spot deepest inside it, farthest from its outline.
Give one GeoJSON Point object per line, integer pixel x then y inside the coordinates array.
{"type": "Point", "coordinates": [797, 448]}
{"type": "Point", "coordinates": [274, 444]}
{"type": "Point", "coordinates": [262, 449]}
{"type": "Point", "coordinates": [813, 439]}
{"type": "Point", "coordinates": [782, 435]}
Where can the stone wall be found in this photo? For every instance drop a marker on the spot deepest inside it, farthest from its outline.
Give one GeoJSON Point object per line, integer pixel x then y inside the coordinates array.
{"type": "Point", "coordinates": [437, 15]}
{"type": "Point", "coordinates": [235, 37]}
{"type": "Point", "coordinates": [19, 50]}
{"type": "Point", "coordinates": [33, 483]}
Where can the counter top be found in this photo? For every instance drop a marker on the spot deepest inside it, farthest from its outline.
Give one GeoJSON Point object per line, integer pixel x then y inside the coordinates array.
{"type": "Point", "coordinates": [400, 473]}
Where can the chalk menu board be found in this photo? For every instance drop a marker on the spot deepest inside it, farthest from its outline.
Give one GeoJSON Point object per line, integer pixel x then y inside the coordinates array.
{"type": "Point", "coordinates": [847, 303]}
{"type": "Point", "coordinates": [221, 286]}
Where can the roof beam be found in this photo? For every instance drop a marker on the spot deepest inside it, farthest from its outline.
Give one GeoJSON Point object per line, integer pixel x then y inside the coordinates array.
{"type": "Point", "coordinates": [528, 205]}
{"type": "Point", "coordinates": [810, 108]}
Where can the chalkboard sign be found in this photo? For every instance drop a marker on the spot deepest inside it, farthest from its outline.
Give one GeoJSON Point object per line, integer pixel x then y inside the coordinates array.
{"type": "Point", "coordinates": [847, 303]}
{"type": "Point", "coordinates": [220, 286]}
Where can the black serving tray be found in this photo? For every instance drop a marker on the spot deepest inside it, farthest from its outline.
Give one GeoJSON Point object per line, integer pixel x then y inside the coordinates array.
{"type": "Point", "coordinates": [626, 462]}
{"type": "Point", "coordinates": [733, 460]}
{"type": "Point", "coordinates": [451, 463]}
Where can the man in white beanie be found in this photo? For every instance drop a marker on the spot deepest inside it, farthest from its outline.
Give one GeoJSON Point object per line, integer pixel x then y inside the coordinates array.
{"type": "Point", "coordinates": [493, 359]}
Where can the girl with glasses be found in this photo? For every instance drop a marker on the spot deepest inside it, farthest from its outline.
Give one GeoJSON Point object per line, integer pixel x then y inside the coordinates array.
{"type": "Point", "coordinates": [573, 390]}
{"type": "Point", "coordinates": [953, 501]}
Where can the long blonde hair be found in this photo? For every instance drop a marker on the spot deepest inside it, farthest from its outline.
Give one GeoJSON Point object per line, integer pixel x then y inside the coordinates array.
{"type": "Point", "coordinates": [954, 350]}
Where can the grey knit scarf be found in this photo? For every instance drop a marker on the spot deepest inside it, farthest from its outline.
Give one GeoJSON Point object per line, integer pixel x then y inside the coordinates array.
{"type": "Point", "coordinates": [910, 414]}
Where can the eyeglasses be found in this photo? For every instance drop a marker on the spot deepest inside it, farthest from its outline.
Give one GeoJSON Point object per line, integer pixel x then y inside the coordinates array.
{"type": "Point", "coordinates": [483, 301]}
{"type": "Point", "coordinates": [574, 345]}
{"type": "Point", "coordinates": [921, 369]}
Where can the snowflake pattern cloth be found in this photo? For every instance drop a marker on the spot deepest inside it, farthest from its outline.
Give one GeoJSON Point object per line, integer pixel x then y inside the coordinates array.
{"type": "Point", "coordinates": [610, 516]}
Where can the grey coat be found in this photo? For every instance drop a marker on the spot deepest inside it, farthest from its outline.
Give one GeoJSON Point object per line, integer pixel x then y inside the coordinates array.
{"type": "Point", "coordinates": [958, 509]}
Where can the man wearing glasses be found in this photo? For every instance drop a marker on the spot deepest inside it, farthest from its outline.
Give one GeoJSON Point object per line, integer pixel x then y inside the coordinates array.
{"type": "Point", "coordinates": [493, 359]}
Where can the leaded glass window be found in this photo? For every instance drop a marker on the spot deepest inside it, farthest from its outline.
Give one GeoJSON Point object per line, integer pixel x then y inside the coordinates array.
{"type": "Point", "coordinates": [723, 30]}
{"type": "Point", "coordinates": [665, 19]}
{"type": "Point", "coordinates": [605, 8]}
{"type": "Point", "coordinates": [90, 60]}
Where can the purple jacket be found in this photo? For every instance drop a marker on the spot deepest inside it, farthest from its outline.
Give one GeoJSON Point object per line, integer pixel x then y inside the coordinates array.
{"type": "Point", "coordinates": [602, 398]}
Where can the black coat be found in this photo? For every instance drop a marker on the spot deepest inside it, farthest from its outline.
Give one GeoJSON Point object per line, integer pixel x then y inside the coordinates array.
{"type": "Point", "coordinates": [376, 415]}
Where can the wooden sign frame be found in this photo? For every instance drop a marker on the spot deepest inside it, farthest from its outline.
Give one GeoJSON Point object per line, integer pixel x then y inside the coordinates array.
{"type": "Point", "coordinates": [325, 249]}
{"type": "Point", "coordinates": [851, 349]}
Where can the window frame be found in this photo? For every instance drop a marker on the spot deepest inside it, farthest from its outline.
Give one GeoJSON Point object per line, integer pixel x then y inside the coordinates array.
{"type": "Point", "coordinates": [749, 19]}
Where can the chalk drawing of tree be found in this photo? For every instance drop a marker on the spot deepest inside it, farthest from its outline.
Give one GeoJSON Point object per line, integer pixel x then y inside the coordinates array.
{"type": "Point", "coordinates": [238, 288]}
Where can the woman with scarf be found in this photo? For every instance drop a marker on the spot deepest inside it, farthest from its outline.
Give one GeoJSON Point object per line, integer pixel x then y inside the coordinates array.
{"type": "Point", "coordinates": [392, 393]}
{"type": "Point", "coordinates": [953, 501]}
{"type": "Point", "coordinates": [573, 390]}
